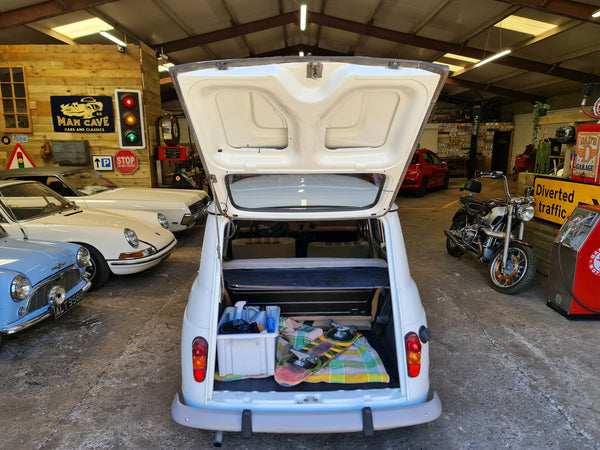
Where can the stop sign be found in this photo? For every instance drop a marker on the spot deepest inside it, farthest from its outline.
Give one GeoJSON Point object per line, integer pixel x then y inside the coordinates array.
{"type": "Point", "coordinates": [126, 162]}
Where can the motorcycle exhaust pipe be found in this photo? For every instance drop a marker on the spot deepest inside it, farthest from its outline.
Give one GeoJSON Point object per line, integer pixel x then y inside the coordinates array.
{"type": "Point", "coordinates": [455, 240]}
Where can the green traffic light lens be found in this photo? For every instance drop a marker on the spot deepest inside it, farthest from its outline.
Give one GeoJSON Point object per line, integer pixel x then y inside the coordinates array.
{"type": "Point", "coordinates": [131, 137]}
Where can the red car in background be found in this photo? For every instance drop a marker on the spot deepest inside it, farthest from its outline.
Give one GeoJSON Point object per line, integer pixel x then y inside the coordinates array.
{"type": "Point", "coordinates": [426, 171]}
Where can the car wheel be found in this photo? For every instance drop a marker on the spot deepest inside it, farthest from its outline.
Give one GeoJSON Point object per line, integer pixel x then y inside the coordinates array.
{"type": "Point", "coordinates": [446, 181]}
{"type": "Point", "coordinates": [99, 270]}
{"type": "Point", "coordinates": [422, 188]}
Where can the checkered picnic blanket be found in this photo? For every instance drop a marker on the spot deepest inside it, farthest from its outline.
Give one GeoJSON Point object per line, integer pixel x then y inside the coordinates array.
{"type": "Point", "coordinates": [359, 363]}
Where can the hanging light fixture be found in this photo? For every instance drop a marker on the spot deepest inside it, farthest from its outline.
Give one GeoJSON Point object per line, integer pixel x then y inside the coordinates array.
{"type": "Point", "coordinates": [112, 38]}
{"type": "Point", "coordinates": [492, 58]}
{"type": "Point", "coordinates": [303, 17]}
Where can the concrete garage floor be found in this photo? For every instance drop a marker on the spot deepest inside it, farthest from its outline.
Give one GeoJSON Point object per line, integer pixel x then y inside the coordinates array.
{"type": "Point", "coordinates": [511, 372]}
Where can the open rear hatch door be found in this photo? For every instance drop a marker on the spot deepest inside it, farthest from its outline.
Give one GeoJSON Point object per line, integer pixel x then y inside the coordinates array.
{"type": "Point", "coordinates": [292, 138]}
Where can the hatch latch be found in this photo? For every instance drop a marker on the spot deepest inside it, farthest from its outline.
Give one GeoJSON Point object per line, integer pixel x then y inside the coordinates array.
{"type": "Point", "coordinates": [314, 70]}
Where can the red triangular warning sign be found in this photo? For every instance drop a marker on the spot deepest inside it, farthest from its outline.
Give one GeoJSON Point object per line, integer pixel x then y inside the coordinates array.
{"type": "Point", "coordinates": [19, 159]}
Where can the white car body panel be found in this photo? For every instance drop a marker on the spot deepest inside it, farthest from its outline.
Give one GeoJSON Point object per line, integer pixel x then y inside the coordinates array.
{"type": "Point", "coordinates": [173, 203]}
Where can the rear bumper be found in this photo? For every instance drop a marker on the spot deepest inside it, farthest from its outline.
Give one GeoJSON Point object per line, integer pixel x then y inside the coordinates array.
{"type": "Point", "coordinates": [410, 183]}
{"type": "Point", "coordinates": [364, 419]}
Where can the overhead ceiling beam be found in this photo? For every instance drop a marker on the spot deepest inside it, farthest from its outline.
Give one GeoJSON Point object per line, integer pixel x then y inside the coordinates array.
{"type": "Point", "coordinates": [494, 90]}
{"type": "Point", "coordinates": [568, 8]}
{"type": "Point", "coordinates": [448, 47]}
{"type": "Point", "coordinates": [45, 10]}
{"type": "Point", "coordinates": [228, 33]}
{"type": "Point", "coordinates": [316, 51]}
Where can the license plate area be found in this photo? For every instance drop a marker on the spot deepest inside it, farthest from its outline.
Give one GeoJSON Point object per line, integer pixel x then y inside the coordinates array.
{"type": "Point", "coordinates": [59, 310]}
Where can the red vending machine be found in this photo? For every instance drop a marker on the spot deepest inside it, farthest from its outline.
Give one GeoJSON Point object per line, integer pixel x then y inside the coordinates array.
{"type": "Point", "coordinates": [574, 279]}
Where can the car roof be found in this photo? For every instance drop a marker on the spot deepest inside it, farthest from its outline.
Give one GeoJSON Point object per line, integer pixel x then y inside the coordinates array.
{"type": "Point", "coordinates": [37, 171]}
{"type": "Point", "coordinates": [8, 182]}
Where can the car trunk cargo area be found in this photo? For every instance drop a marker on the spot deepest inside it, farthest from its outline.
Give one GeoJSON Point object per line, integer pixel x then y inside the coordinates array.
{"type": "Point", "coordinates": [313, 273]}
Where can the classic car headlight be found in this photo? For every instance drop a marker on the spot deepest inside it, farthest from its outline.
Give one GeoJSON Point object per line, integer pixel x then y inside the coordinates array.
{"type": "Point", "coordinates": [131, 237]}
{"type": "Point", "coordinates": [20, 288]}
{"type": "Point", "coordinates": [83, 257]}
{"type": "Point", "coordinates": [526, 212]}
{"type": "Point", "coordinates": [162, 219]}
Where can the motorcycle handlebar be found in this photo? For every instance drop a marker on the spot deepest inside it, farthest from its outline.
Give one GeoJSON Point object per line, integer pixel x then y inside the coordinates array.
{"type": "Point", "coordinates": [495, 174]}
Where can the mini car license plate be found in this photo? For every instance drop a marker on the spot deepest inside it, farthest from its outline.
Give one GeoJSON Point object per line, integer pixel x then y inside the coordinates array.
{"type": "Point", "coordinates": [59, 310]}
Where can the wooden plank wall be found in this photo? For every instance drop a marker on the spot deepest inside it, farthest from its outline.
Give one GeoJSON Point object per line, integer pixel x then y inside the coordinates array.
{"type": "Point", "coordinates": [86, 70]}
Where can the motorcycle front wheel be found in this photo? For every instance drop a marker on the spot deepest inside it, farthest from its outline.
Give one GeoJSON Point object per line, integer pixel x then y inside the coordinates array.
{"type": "Point", "coordinates": [518, 272]}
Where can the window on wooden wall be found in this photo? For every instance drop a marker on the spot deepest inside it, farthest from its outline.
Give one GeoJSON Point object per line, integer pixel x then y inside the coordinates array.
{"type": "Point", "coordinates": [15, 105]}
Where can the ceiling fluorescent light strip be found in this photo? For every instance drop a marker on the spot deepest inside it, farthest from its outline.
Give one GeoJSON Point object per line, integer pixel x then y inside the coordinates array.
{"type": "Point", "coordinates": [596, 14]}
{"type": "Point", "coordinates": [492, 58]}
{"type": "Point", "coordinates": [303, 17]}
{"type": "Point", "coordinates": [112, 38]}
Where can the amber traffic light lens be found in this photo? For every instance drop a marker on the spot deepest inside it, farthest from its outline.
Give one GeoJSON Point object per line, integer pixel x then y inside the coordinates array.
{"type": "Point", "coordinates": [130, 119]}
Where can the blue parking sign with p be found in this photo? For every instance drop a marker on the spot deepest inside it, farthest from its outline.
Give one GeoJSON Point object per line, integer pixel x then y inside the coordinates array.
{"type": "Point", "coordinates": [103, 162]}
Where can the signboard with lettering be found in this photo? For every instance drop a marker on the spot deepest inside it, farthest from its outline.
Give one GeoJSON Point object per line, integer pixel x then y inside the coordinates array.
{"type": "Point", "coordinates": [556, 198]}
{"type": "Point", "coordinates": [587, 154]}
{"type": "Point", "coordinates": [126, 162]}
{"type": "Point", "coordinates": [83, 114]}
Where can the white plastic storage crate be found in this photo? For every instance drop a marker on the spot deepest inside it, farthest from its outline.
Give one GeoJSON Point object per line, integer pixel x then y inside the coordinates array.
{"type": "Point", "coordinates": [247, 353]}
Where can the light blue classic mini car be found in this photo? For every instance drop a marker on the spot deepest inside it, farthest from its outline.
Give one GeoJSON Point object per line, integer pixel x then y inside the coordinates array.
{"type": "Point", "coordinates": [39, 279]}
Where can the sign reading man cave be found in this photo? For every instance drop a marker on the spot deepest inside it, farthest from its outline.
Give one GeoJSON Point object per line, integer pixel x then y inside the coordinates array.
{"type": "Point", "coordinates": [77, 114]}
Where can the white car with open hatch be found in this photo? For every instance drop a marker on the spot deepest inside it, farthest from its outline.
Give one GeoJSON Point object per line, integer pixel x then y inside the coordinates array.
{"type": "Point", "coordinates": [303, 317]}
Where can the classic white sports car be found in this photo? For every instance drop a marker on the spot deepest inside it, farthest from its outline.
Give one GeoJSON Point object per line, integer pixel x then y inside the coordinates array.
{"type": "Point", "coordinates": [304, 317]}
{"type": "Point", "coordinates": [117, 242]}
{"type": "Point", "coordinates": [182, 208]}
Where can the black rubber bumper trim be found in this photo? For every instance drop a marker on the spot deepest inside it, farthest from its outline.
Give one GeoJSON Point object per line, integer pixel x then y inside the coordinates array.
{"type": "Point", "coordinates": [246, 424]}
{"type": "Point", "coordinates": [367, 418]}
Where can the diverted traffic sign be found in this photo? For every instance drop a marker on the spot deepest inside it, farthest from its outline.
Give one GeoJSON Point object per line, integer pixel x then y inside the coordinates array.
{"type": "Point", "coordinates": [556, 198]}
{"type": "Point", "coordinates": [126, 162]}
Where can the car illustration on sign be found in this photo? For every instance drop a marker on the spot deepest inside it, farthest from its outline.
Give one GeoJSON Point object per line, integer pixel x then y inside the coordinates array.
{"type": "Point", "coordinates": [305, 240]}
{"type": "Point", "coordinates": [86, 108]}
{"type": "Point", "coordinates": [38, 280]}
{"type": "Point", "coordinates": [117, 242]}
{"type": "Point", "coordinates": [181, 208]}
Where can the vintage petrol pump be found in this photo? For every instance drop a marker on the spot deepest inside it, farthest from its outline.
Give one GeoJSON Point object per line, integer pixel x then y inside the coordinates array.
{"type": "Point", "coordinates": [173, 153]}
{"type": "Point", "coordinates": [574, 279]}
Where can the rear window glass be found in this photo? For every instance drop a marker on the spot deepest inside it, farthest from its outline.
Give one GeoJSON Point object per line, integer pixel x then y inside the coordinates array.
{"type": "Point", "coordinates": [305, 191]}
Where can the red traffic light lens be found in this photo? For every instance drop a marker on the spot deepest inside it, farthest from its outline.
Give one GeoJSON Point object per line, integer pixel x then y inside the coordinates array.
{"type": "Point", "coordinates": [128, 101]}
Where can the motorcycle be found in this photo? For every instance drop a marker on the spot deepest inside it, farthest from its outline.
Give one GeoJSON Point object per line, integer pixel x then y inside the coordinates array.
{"type": "Point", "coordinates": [486, 230]}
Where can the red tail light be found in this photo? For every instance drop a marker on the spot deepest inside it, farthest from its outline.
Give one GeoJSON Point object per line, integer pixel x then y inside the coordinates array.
{"type": "Point", "coordinates": [413, 354]}
{"type": "Point", "coordinates": [199, 356]}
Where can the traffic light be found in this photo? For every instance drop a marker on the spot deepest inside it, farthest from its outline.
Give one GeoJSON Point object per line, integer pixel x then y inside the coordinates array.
{"type": "Point", "coordinates": [130, 118]}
